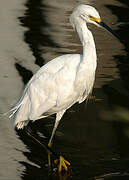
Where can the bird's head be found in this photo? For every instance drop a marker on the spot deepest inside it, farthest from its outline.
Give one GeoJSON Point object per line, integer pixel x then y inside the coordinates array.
{"type": "Point", "coordinates": [85, 13]}
{"type": "Point", "coordinates": [88, 14]}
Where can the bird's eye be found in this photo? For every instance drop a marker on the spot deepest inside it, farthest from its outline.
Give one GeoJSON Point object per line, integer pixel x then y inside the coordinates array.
{"type": "Point", "coordinates": [91, 17]}
{"type": "Point", "coordinates": [94, 19]}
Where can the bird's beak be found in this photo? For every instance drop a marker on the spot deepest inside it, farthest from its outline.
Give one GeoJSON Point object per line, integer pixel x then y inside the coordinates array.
{"type": "Point", "coordinates": [108, 28]}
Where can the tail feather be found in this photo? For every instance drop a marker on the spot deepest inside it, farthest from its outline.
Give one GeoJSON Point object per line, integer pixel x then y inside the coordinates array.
{"type": "Point", "coordinates": [20, 113]}
{"type": "Point", "coordinates": [13, 112]}
{"type": "Point", "coordinates": [20, 125]}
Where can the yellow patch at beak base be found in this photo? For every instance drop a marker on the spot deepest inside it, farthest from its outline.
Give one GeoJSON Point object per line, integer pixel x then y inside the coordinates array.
{"type": "Point", "coordinates": [95, 19]}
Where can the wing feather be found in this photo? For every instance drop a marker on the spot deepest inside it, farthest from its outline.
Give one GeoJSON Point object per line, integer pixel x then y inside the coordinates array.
{"type": "Point", "coordinates": [46, 88]}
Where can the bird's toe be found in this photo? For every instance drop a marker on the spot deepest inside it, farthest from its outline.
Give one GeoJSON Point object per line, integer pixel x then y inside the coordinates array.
{"type": "Point", "coordinates": [62, 164]}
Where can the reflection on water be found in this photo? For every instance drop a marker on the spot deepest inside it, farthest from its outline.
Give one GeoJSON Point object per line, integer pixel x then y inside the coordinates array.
{"type": "Point", "coordinates": [93, 146]}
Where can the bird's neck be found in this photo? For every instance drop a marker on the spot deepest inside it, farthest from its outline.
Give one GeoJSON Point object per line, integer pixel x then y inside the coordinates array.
{"type": "Point", "coordinates": [89, 50]}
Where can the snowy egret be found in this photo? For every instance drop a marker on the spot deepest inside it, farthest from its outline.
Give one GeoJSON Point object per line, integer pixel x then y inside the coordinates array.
{"type": "Point", "coordinates": [63, 81]}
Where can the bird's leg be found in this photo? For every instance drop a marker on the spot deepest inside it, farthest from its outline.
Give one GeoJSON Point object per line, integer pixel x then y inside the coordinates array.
{"type": "Point", "coordinates": [58, 117]}
{"type": "Point", "coordinates": [53, 133]}
{"type": "Point", "coordinates": [50, 142]}
{"type": "Point", "coordinates": [31, 134]}
{"type": "Point", "coordinates": [60, 162]}
{"type": "Point", "coordinates": [48, 148]}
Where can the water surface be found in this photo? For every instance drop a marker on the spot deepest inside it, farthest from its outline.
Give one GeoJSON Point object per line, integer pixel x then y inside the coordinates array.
{"type": "Point", "coordinates": [97, 146]}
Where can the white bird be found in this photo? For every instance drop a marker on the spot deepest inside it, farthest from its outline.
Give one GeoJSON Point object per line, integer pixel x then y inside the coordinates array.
{"type": "Point", "coordinates": [64, 80]}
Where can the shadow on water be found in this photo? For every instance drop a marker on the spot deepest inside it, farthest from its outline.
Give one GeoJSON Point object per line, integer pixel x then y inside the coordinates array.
{"type": "Point", "coordinates": [122, 61]}
{"type": "Point", "coordinates": [118, 91]}
{"type": "Point", "coordinates": [94, 147]}
{"type": "Point", "coordinates": [24, 73]}
{"type": "Point", "coordinates": [35, 20]}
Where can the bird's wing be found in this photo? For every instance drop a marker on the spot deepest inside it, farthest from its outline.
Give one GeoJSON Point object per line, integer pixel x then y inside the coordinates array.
{"type": "Point", "coordinates": [56, 64]}
{"type": "Point", "coordinates": [54, 79]}
{"type": "Point", "coordinates": [46, 87]}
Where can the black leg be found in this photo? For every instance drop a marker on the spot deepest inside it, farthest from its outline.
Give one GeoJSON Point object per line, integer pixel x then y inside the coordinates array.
{"type": "Point", "coordinates": [60, 162]}
{"type": "Point", "coordinates": [37, 139]}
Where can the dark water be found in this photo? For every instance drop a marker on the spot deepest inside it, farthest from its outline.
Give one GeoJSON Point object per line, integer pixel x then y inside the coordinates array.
{"type": "Point", "coordinates": [93, 137]}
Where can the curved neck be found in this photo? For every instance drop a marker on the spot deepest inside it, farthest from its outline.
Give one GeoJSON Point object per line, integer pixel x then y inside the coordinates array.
{"type": "Point", "coordinates": [87, 40]}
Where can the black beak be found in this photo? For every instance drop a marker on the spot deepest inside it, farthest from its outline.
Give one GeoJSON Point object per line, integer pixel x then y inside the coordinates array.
{"type": "Point", "coordinates": [108, 29]}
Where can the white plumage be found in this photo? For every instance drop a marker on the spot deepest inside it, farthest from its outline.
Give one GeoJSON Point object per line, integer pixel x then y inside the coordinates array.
{"type": "Point", "coordinates": [63, 81]}
{"type": "Point", "coordinates": [54, 88]}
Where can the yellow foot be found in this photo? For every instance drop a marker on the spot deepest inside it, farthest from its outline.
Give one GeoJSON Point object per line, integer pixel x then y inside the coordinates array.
{"type": "Point", "coordinates": [62, 164]}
